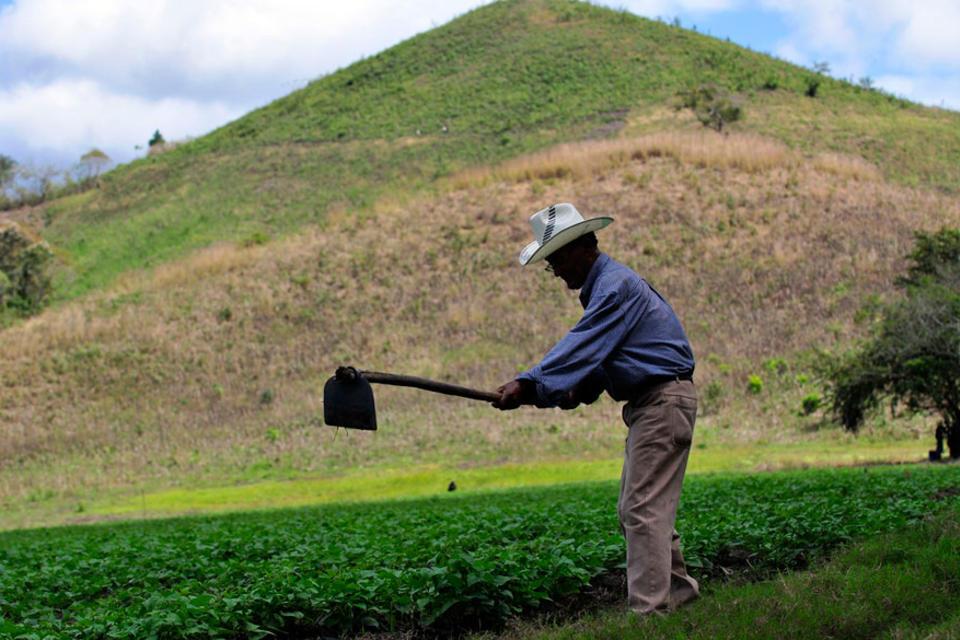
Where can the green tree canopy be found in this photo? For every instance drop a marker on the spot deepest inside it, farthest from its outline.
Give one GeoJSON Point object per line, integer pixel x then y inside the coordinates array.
{"type": "Point", "coordinates": [935, 255]}
{"type": "Point", "coordinates": [7, 167]}
{"type": "Point", "coordinates": [913, 357]}
{"type": "Point", "coordinates": [93, 162]}
{"type": "Point", "coordinates": [24, 279]}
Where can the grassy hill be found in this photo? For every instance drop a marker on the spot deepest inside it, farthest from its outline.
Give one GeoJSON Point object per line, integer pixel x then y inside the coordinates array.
{"type": "Point", "coordinates": [498, 82]}
{"type": "Point", "coordinates": [374, 218]}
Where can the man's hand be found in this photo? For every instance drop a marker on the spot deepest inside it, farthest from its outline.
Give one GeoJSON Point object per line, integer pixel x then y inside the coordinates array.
{"type": "Point", "coordinates": [570, 400]}
{"type": "Point", "coordinates": [513, 394]}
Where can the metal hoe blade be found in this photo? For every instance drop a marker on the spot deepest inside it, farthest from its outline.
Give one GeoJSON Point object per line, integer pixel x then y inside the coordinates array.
{"type": "Point", "coordinates": [348, 401]}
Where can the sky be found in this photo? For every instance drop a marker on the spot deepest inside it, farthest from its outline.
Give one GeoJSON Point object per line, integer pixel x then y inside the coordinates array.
{"type": "Point", "coordinates": [79, 74]}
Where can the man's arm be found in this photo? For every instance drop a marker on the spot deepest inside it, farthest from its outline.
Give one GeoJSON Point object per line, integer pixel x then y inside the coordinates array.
{"type": "Point", "coordinates": [569, 373]}
{"type": "Point", "coordinates": [587, 391]}
{"type": "Point", "coordinates": [522, 391]}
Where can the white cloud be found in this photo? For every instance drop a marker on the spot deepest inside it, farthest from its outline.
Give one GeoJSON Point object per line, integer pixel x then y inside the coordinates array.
{"type": "Point", "coordinates": [789, 51]}
{"type": "Point", "coordinates": [97, 72]}
{"type": "Point", "coordinates": [932, 34]}
{"type": "Point", "coordinates": [670, 8]}
{"type": "Point", "coordinates": [71, 116]}
{"type": "Point", "coordinates": [231, 49]}
{"type": "Point", "coordinates": [860, 36]}
{"type": "Point", "coordinates": [823, 30]}
{"type": "Point", "coordinates": [937, 91]}
{"type": "Point", "coordinates": [909, 46]}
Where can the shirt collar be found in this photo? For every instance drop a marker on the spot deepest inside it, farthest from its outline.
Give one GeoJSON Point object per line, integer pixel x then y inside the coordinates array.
{"type": "Point", "coordinates": [598, 265]}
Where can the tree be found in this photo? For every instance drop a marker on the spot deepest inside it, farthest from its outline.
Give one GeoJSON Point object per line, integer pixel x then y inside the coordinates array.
{"type": "Point", "coordinates": [24, 259]}
{"type": "Point", "coordinates": [93, 163]}
{"type": "Point", "coordinates": [8, 167]}
{"type": "Point", "coordinates": [8, 171]}
{"type": "Point", "coordinates": [713, 106]}
{"type": "Point", "coordinates": [935, 255]}
{"type": "Point", "coordinates": [913, 357]}
{"type": "Point", "coordinates": [156, 138]}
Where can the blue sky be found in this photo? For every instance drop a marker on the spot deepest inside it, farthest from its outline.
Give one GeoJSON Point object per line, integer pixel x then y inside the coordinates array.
{"type": "Point", "coordinates": [758, 29]}
{"type": "Point", "coordinates": [107, 73]}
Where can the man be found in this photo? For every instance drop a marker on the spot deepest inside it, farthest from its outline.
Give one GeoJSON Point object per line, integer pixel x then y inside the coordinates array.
{"type": "Point", "coordinates": [630, 344]}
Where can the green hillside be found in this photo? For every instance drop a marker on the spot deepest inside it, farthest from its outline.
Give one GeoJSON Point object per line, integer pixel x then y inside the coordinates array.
{"type": "Point", "coordinates": [502, 80]}
{"type": "Point", "coordinates": [374, 218]}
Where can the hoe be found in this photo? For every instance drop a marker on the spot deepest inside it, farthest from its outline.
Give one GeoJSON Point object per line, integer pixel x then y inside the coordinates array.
{"type": "Point", "coordinates": [348, 397]}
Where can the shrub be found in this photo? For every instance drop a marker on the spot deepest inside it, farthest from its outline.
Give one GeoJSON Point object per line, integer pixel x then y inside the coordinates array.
{"type": "Point", "coordinates": [712, 394]}
{"type": "Point", "coordinates": [813, 84]}
{"type": "Point", "coordinates": [24, 259]}
{"type": "Point", "coordinates": [810, 403]}
{"type": "Point", "coordinates": [256, 239]}
{"type": "Point", "coordinates": [8, 167]}
{"type": "Point", "coordinates": [935, 255]}
{"type": "Point", "coordinates": [5, 286]}
{"type": "Point", "coordinates": [713, 106]}
{"type": "Point", "coordinates": [156, 138]}
{"type": "Point", "coordinates": [776, 366]}
{"type": "Point", "coordinates": [754, 384]}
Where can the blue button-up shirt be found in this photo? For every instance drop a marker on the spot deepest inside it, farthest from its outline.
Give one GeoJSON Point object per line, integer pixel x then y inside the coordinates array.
{"type": "Point", "coordinates": [628, 334]}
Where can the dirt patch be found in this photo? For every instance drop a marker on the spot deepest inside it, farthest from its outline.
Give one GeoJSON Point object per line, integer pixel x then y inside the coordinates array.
{"type": "Point", "coordinates": [613, 123]}
{"type": "Point", "coordinates": [947, 492]}
{"type": "Point", "coordinates": [605, 591]}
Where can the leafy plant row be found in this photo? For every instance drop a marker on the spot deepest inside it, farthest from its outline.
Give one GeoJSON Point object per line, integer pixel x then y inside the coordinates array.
{"type": "Point", "coordinates": [453, 562]}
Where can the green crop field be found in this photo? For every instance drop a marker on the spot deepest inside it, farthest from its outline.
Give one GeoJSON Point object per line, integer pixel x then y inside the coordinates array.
{"type": "Point", "coordinates": [439, 565]}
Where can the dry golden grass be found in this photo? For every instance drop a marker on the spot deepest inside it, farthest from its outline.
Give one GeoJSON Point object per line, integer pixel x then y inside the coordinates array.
{"type": "Point", "coordinates": [212, 367]}
{"type": "Point", "coordinates": [846, 166]}
{"type": "Point", "coordinates": [582, 160]}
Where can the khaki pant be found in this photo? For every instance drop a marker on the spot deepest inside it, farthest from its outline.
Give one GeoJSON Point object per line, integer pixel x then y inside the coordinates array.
{"type": "Point", "coordinates": [660, 424]}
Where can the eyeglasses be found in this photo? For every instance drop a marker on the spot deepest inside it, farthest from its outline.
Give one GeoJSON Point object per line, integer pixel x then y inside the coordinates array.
{"type": "Point", "coordinates": [557, 258]}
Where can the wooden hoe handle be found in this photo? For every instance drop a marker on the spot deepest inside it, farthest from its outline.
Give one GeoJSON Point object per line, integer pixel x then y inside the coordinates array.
{"type": "Point", "coordinates": [420, 383]}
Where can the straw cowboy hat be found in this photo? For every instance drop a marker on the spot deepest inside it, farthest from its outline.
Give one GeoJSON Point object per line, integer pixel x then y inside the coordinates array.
{"type": "Point", "coordinates": [554, 227]}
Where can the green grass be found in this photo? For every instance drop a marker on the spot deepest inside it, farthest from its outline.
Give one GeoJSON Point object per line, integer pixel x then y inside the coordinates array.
{"type": "Point", "coordinates": [293, 488]}
{"type": "Point", "coordinates": [431, 480]}
{"type": "Point", "coordinates": [449, 563]}
{"type": "Point", "coordinates": [901, 585]}
{"type": "Point", "coordinates": [912, 145]}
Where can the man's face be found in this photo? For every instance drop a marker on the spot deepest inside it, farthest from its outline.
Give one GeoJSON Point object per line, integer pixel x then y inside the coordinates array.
{"type": "Point", "coordinates": [571, 264]}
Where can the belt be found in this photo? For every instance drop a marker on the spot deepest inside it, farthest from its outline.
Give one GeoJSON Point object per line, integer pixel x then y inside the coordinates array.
{"type": "Point", "coordinates": [656, 381]}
